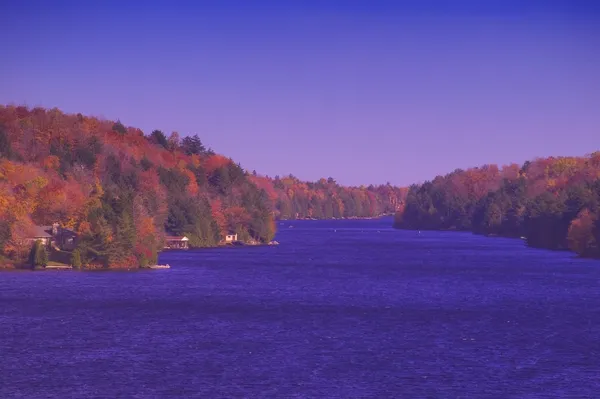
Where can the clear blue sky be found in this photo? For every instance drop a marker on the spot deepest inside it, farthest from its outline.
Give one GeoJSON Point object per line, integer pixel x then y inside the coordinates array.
{"type": "Point", "coordinates": [366, 92]}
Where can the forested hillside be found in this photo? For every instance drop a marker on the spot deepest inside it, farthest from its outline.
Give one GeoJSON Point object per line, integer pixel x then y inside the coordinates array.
{"type": "Point", "coordinates": [553, 202]}
{"type": "Point", "coordinates": [121, 190]}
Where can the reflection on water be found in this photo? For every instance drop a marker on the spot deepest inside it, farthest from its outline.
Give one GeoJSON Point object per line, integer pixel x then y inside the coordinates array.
{"type": "Point", "coordinates": [341, 309]}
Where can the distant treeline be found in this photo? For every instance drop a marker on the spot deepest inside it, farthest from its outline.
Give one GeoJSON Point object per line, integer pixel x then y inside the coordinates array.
{"type": "Point", "coordinates": [553, 202]}
{"type": "Point", "coordinates": [325, 199]}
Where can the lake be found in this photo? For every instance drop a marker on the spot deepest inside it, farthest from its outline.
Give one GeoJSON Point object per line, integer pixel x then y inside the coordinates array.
{"type": "Point", "coordinates": [341, 309]}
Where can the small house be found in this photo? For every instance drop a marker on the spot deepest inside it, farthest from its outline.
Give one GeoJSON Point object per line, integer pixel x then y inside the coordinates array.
{"type": "Point", "coordinates": [54, 236]}
{"type": "Point", "coordinates": [176, 242]}
{"type": "Point", "coordinates": [231, 237]}
{"type": "Point", "coordinates": [64, 238]}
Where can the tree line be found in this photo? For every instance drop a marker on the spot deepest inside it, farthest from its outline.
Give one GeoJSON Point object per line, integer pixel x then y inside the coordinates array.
{"type": "Point", "coordinates": [554, 203]}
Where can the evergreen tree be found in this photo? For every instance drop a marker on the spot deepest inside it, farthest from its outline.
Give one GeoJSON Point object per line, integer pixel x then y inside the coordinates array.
{"type": "Point", "coordinates": [119, 128]}
{"type": "Point", "coordinates": [192, 145]}
{"type": "Point", "coordinates": [42, 256]}
{"type": "Point", "coordinates": [38, 256]}
{"type": "Point", "coordinates": [76, 259]}
{"type": "Point", "coordinates": [5, 146]}
{"type": "Point", "coordinates": [158, 137]}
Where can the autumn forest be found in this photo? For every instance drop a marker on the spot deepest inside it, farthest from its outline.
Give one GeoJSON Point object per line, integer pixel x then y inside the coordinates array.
{"type": "Point", "coordinates": [553, 203]}
{"type": "Point", "coordinates": [120, 191]}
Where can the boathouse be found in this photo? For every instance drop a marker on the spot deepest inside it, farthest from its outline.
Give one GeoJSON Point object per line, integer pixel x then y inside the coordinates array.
{"type": "Point", "coordinates": [176, 242]}
{"type": "Point", "coordinates": [231, 237]}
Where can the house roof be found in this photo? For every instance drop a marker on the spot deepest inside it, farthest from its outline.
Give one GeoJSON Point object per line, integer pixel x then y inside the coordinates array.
{"type": "Point", "coordinates": [41, 232]}
{"type": "Point", "coordinates": [68, 232]}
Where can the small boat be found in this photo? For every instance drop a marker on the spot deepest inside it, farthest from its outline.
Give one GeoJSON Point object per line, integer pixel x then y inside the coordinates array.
{"type": "Point", "coordinates": [159, 267]}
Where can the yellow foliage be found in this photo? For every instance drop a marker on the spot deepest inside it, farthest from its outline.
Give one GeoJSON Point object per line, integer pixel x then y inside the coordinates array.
{"type": "Point", "coordinates": [71, 222]}
{"type": "Point", "coordinates": [99, 191]}
{"type": "Point", "coordinates": [84, 228]}
{"type": "Point", "coordinates": [581, 236]}
{"type": "Point", "coordinates": [52, 162]}
{"type": "Point", "coordinates": [195, 160]}
{"type": "Point", "coordinates": [4, 204]}
{"type": "Point", "coordinates": [18, 245]}
{"type": "Point", "coordinates": [7, 168]}
{"type": "Point", "coordinates": [146, 226]}
{"type": "Point", "coordinates": [563, 165]}
{"type": "Point", "coordinates": [39, 182]}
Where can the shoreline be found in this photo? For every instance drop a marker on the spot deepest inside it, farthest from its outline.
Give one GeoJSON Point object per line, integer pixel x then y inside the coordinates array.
{"type": "Point", "coordinates": [512, 237]}
{"type": "Point", "coordinates": [342, 218]}
{"type": "Point", "coordinates": [95, 268]}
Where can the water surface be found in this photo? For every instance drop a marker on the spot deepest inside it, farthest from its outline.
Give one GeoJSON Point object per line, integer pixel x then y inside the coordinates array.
{"type": "Point", "coordinates": [341, 309]}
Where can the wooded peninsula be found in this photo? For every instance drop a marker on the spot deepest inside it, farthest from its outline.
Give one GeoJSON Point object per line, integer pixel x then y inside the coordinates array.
{"type": "Point", "coordinates": [93, 193]}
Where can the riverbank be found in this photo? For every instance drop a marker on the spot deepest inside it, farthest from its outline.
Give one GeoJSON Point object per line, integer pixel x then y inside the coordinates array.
{"type": "Point", "coordinates": [250, 243]}
{"type": "Point", "coordinates": [340, 218]}
{"type": "Point", "coordinates": [52, 265]}
{"type": "Point", "coordinates": [510, 236]}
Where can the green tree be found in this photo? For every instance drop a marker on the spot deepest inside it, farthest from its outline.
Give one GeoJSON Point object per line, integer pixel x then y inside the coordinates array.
{"type": "Point", "coordinates": [38, 256]}
{"type": "Point", "coordinates": [64, 151]}
{"type": "Point", "coordinates": [220, 179]}
{"type": "Point", "coordinates": [173, 180]}
{"type": "Point", "coordinates": [192, 145]}
{"type": "Point", "coordinates": [86, 153]}
{"type": "Point", "coordinates": [42, 256]}
{"type": "Point", "coordinates": [4, 232]}
{"type": "Point", "coordinates": [158, 137]}
{"type": "Point", "coordinates": [76, 259]}
{"type": "Point", "coordinates": [124, 240]}
{"type": "Point", "coordinates": [119, 128]}
{"type": "Point", "coordinates": [544, 223]}
{"type": "Point", "coordinates": [200, 175]}
{"type": "Point", "coordinates": [146, 164]}
{"type": "Point", "coordinates": [193, 218]}
{"type": "Point", "coordinates": [5, 146]}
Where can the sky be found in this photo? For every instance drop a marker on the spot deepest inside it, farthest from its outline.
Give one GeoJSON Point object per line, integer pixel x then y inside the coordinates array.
{"type": "Point", "coordinates": [367, 92]}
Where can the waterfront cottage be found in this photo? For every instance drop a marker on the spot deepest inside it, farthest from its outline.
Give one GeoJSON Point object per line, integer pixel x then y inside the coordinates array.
{"type": "Point", "coordinates": [231, 237]}
{"type": "Point", "coordinates": [64, 239]}
{"type": "Point", "coordinates": [176, 242]}
{"type": "Point", "coordinates": [55, 236]}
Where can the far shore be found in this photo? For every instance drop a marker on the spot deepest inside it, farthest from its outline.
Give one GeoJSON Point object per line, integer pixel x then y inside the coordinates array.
{"type": "Point", "coordinates": [342, 218]}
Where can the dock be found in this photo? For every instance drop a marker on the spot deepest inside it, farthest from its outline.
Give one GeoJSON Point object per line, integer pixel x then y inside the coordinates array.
{"type": "Point", "coordinates": [59, 267]}
{"type": "Point", "coordinates": [159, 267]}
